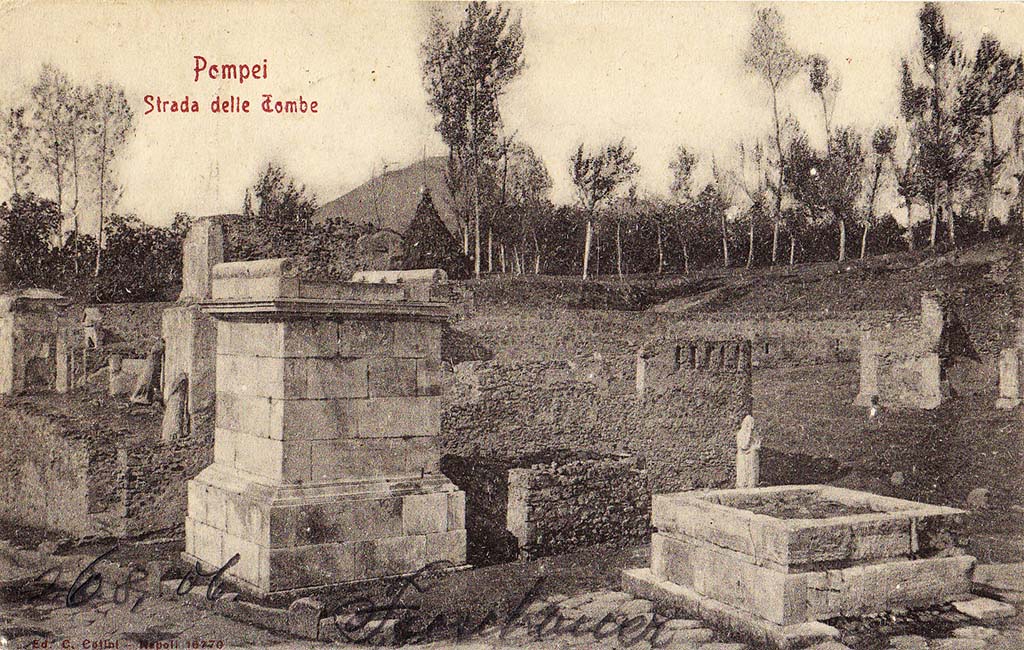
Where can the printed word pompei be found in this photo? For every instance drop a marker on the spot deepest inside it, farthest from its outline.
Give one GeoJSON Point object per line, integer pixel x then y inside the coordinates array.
{"type": "Point", "coordinates": [229, 71]}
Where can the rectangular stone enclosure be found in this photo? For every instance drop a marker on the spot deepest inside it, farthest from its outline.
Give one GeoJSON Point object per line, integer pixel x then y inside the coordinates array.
{"type": "Point", "coordinates": [793, 554]}
{"type": "Point", "coordinates": [326, 461]}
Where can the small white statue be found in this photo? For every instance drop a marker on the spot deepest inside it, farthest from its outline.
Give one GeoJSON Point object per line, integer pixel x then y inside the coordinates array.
{"type": "Point", "coordinates": [748, 454]}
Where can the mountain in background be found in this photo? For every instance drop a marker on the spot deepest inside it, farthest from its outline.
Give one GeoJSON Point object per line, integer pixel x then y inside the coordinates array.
{"type": "Point", "coordinates": [399, 194]}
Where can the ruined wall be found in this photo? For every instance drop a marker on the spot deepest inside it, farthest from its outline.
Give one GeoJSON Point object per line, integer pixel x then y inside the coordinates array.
{"type": "Point", "coordinates": [559, 507]}
{"type": "Point", "coordinates": [682, 425]}
{"type": "Point", "coordinates": [77, 465]}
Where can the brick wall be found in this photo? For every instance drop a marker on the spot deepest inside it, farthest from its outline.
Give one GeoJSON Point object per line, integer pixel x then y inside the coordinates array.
{"type": "Point", "coordinates": [558, 507]}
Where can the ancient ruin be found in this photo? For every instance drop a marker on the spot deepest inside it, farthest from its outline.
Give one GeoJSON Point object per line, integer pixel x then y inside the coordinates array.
{"type": "Point", "coordinates": [771, 562]}
{"type": "Point", "coordinates": [326, 459]}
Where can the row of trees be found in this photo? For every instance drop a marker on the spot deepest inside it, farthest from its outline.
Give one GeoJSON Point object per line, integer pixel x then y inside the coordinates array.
{"type": "Point", "coordinates": [949, 158]}
{"type": "Point", "coordinates": [63, 143]}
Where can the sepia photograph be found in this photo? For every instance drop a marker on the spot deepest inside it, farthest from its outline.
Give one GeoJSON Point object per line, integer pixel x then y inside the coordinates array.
{"type": "Point", "coordinates": [576, 324]}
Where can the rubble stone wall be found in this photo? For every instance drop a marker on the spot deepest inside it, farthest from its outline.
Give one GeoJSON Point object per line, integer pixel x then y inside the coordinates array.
{"type": "Point", "coordinates": [559, 507]}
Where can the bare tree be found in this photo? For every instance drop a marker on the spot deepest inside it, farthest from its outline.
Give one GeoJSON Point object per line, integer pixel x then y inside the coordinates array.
{"type": "Point", "coordinates": [596, 176]}
{"type": "Point", "coordinates": [16, 146]}
{"type": "Point", "coordinates": [770, 57]}
{"type": "Point", "coordinates": [110, 125]}
{"type": "Point", "coordinates": [378, 189]}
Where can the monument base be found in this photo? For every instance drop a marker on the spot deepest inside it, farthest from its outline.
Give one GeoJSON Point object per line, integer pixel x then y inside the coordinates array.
{"type": "Point", "coordinates": [296, 537]}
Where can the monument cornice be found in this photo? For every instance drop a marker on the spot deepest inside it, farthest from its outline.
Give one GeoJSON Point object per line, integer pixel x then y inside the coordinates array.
{"type": "Point", "coordinates": [262, 309]}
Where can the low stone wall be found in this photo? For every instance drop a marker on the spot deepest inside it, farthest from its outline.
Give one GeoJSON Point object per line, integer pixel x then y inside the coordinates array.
{"type": "Point", "coordinates": [559, 507]}
{"type": "Point", "coordinates": [682, 424]}
{"type": "Point", "coordinates": [77, 465]}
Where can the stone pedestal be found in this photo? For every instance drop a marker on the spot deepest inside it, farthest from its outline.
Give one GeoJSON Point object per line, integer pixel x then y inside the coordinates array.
{"type": "Point", "coordinates": [190, 342]}
{"type": "Point", "coordinates": [28, 339]}
{"type": "Point", "coordinates": [1009, 379]}
{"type": "Point", "coordinates": [326, 461]}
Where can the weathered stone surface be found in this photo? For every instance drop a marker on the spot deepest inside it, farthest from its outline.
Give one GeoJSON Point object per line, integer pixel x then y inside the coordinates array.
{"type": "Point", "coordinates": [909, 642]}
{"type": "Point", "coordinates": [975, 632]}
{"type": "Point", "coordinates": [313, 480]}
{"type": "Point", "coordinates": [175, 420]}
{"type": "Point", "coordinates": [636, 607]}
{"type": "Point", "coordinates": [1009, 379]}
{"type": "Point", "coordinates": [957, 644]}
{"type": "Point", "coordinates": [830, 645]}
{"type": "Point", "coordinates": [202, 249]}
{"type": "Point", "coordinates": [985, 608]}
{"type": "Point", "coordinates": [190, 339]}
{"type": "Point", "coordinates": [304, 617]}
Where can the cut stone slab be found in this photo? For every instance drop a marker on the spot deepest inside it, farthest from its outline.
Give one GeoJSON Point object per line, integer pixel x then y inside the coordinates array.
{"type": "Point", "coordinates": [975, 632]}
{"type": "Point", "coordinates": [985, 608]}
{"type": "Point", "coordinates": [958, 644]}
{"type": "Point", "coordinates": [830, 645]}
{"type": "Point", "coordinates": [725, 646]}
{"type": "Point", "coordinates": [1008, 577]}
{"type": "Point", "coordinates": [758, 632]}
{"type": "Point", "coordinates": [909, 642]}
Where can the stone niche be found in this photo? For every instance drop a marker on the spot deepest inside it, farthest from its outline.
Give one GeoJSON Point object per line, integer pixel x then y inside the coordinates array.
{"type": "Point", "coordinates": [326, 460]}
{"type": "Point", "coordinates": [28, 339]}
{"type": "Point", "coordinates": [770, 563]}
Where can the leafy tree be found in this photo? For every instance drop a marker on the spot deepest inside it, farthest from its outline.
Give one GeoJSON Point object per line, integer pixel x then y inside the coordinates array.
{"type": "Point", "coordinates": [280, 200]}
{"type": "Point", "coordinates": [428, 244]}
{"type": "Point", "coordinates": [750, 179]}
{"type": "Point", "coordinates": [16, 145]}
{"type": "Point", "coordinates": [52, 95]}
{"type": "Point", "coordinates": [994, 76]}
{"type": "Point", "coordinates": [27, 224]}
{"type": "Point", "coordinates": [944, 120]}
{"type": "Point", "coordinates": [709, 207]}
{"type": "Point", "coordinates": [770, 57]}
{"type": "Point", "coordinates": [111, 123]}
{"type": "Point", "coordinates": [529, 185]}
{"type": "Point", "coordinates": [883, 143]}
{"type": "Point", "coordinates": [681, 217]}
{"type": "Point", "coordinates": [466, 70]}
{"type": "Point", "coordinates": [826, 86]}
{"type": "Point", "coordinates": [596, 177]}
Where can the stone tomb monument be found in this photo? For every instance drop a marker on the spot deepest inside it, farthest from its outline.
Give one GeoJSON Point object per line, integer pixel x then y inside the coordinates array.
{"type": "Point", "coordinates": [770, 563]}
{"type": "Point", "coordinates": [28, 339]}
{"type": "Point", "coordinates": [326, 458]}
{"type": "Point", "coordinates": [190, 336]}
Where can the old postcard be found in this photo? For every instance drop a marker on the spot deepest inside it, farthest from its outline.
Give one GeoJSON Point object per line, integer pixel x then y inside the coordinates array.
{"type": "Point", "coordinates": [672, 325]}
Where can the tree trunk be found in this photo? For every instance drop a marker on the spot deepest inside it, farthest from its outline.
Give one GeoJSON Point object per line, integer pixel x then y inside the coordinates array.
{"type": "Point", "coordinates": [476, 222]}
{"type": "Point", "coordinates": [750, 243]}
{"type": "Point", "coordinates": [501, 256]}
{"type": "Point", "coordinates": [686, 259]}
{"type": "Point", "coordinates": [586, 247]}
{"type": "Point", "coordinates": [842, 240]}
{"type": "Point", "coordinates": [792, 249]}
{"type": "Point", "coordinates": [952, 226]}
{"type": "Point", "coordinates": [103, 192]}
{"type": "Point", "coordinates": [536, 257]}
{"type": "Point", "coordinates": [778, 190]}
{"type": "Point", "coordinates": [725, 242]}
{"type": "Point", "coordinates": [934, 213]}
{"type": "Point", "coordinates": [618, 247]}
{"type": "Point", "coordinates": [490, 251]}
{"type": "Point", "coordinates": [661, 252]}
{"type": "Point", "coordinates": [864, 240]}
{"type": "Point", "coordinates": [991, 173]}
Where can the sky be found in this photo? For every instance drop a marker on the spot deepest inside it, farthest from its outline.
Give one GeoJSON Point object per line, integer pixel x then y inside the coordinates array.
{"type": "Point", "coordinates": [658, 74]}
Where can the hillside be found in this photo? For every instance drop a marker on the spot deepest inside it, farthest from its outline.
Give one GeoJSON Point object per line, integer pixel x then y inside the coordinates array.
{"type": "Point", "coordinates": [399, 192]}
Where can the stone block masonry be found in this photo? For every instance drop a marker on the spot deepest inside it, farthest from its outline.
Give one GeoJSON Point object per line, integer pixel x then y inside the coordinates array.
{"type": "Point", "coordinates": [326, 462]}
